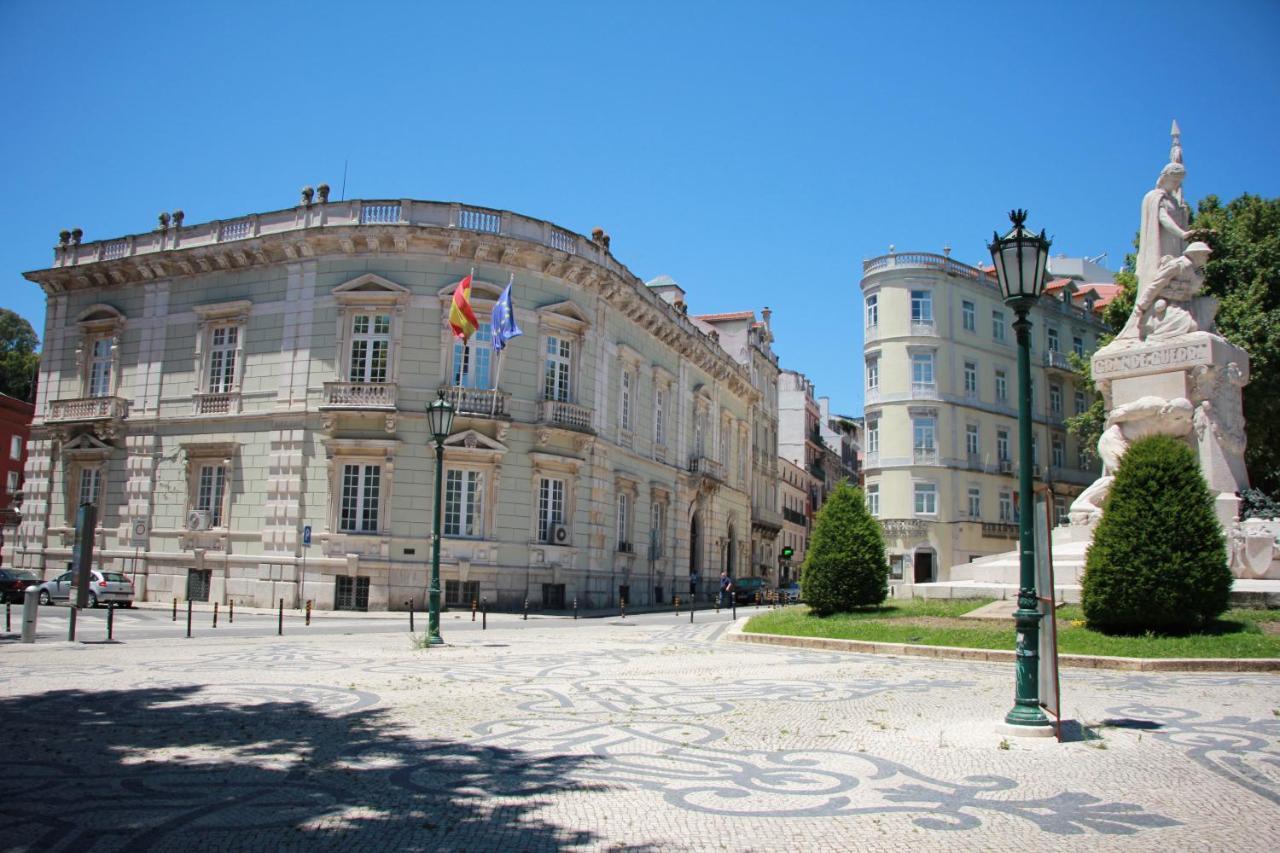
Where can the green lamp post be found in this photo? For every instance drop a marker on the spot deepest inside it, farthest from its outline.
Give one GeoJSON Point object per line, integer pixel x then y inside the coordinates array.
{"type": "Point", "coordinates": [440, 422]}
{"type": "Point", "coordinates": [1020, 258]}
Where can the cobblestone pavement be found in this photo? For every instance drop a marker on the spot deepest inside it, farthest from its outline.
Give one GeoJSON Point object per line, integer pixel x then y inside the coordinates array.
{"type": "Point", "coordinates": [612, 736]}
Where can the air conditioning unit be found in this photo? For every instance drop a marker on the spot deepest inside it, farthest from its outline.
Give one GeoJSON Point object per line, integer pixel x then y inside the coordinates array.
{"type": "Point", "coordinates": [558, 534]}
{"type": "Point", "coordinates": [199, 519]}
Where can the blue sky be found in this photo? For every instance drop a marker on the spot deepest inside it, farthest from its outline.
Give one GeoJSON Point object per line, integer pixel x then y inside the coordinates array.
{"type": "Point", "coordinates": [755, 152]}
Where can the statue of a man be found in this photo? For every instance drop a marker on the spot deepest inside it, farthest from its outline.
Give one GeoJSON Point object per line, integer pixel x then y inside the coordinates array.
{"type": "Point", "coordinates": [1164, 307]}
{"type": "Point", "coordinates": [1163, 231]}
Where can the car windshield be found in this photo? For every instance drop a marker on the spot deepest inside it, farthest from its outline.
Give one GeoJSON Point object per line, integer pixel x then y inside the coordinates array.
{"type": "Point", "coordinates": [22, 575]}
{"type": "Point", "coordinates": [114, 577]}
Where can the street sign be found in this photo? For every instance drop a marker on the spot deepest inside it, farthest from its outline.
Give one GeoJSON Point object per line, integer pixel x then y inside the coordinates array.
{"type": "Point", "coordinates": [306, 536]}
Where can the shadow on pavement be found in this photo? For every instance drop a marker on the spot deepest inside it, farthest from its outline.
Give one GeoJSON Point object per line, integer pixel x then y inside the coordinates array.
{"type": "Point", "coordinates": [262, 766]}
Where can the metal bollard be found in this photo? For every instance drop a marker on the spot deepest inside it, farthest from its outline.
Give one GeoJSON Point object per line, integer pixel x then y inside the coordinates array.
{"type": "Point", "coordinates": [71, 623]}
{"type": "Point", "coordinates": [623, 602]}
{"type": "Point", "coordinates": [280, 623]}
{"type": "Point", "coordinates": [718, 597]}
{"type": "Point", "coordinates": [308, 611]}
{"type": "Point", "coordinates": [175, 609]}
{"type": "Point", "coordinates": [473, 610]}
{"type": "Point", "coordinates": [575, 607]}
{"type": "Point", "coordinates": [111, 612]}
{"type": "Point", "coordinates": [215, 614]}
{"type": "Point", "coordinates": [30, 612]}
{"type": "Point", "coordinates": [410, 603]}
{"type": "Point", "coordinates": [693, 605]}
{"type": "Point", "coordinates": [526, 610]}
{"type": "Point", "coordinates": [188, 618]}
{"type": "Point", "coordinates": [676, 599]}
{"type": "Point", "coordinates": [8, 625]}
{"type": "Point", "coordinates": [231, 610]}
{"type": "Point", "coordinates": [733, 602]}
{"type": "Point", "coordinates": [484, 614]}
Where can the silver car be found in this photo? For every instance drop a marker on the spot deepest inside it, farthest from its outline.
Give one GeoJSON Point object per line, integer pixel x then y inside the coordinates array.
{"type": "Point", "coordinates": [104, 588]}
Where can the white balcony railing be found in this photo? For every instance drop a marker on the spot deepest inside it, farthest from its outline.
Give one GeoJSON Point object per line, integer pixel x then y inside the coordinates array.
{"type": "Point", "coordinates": [706, 467]}
{"type": "Point", "coordinates": [479, 220]}
{"type": "Point", "coordinates": [923, 328]}
{"type": "Point", "coordinates": [237, 229]}
{"type": "Point", "coordinates": [871, 460]}
{"type": "Point", "coordinates": [563, 414]}
{"type": "Point", "coordinates": [385, 214]}
{"type": "Point", "coordinates": [925, 456]}
{"type": "Point", "coordinates": [88, 409]}
{"type": "Point", "coordinates": [872, 396]}
{"type": "Point", "coordinates": [359, 395]}
{"type": "Point", "coordinates": [484, 402]}
{"type": "Point", "coordinates": [222, 403]}
{"type": "Point", "coordinates": [924, 390]}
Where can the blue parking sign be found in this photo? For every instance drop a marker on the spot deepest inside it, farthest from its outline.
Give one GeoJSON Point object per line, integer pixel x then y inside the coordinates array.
{"type": "Point", "coordinates": [306, 535]}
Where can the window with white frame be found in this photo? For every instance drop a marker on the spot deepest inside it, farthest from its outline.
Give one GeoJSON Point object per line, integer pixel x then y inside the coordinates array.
{"type": "Point", "coordinates": [1079, 402]}
{"type": "Point", "coordinates": [224, 344]}
{"type": "Point", "coordinates": [100, 367]}
{"type": "Point", "coordinates": [969, 316]}
{"type": "Point", "coordinates": [15, 447]}
{"type": "Point", "coordinates": [1002, 386]}
{"type": "Point", "coordinates": [211, 490]}
{"type": "Point", "coordinates": [724, 444]}
{"type": "Point", "coordinates": [361, 498]}
{"type": "Point", "coordinates": [972, 445]}
{"type": "Point", "coordinates": [1002, 445]}
{"type": "Point", "coordinates": [463, 503]}
{"type": "Point", "coordinates": [657, 527]}
{"type": "Point", "coordinates": [921, 369]}
{"type": "Point", "coordinates": [1060, 510]}
{"type": "Point", "coordinates": [1055, 398]}
{"type": "Point", "coordinates": [370, 348]}
{"type": "Point", "coordinates": [926, 499]}
{"type": "Point", "coordinates": [624, 521]}
{"type": "Point", "coordinates": [924, 429]}
{"type": "Point", "coordinates": [1059, 451]}
{"type": "Point", "coordinates": [551, 506]}
{"type": "Point", "coordinates": [997, 325]}
{"type": "Point", "coordinates": [975, 502]}
{"type": "Point", "coordinates": [660, 416]}
{"type": "Point", "coordinates": [1082, 458]}
{"type": "Point", "coordinates": [921, 306]}
{"type": "Point", "coordinates": [1006, 505]}
{"type": "Point", "coordinates": [873, 436]}
{"type": "Point", "coordinates": [873, 499]}
{"type": "Point", "coordinates": [89, 486]}
{"type": "Point", "coordinates": [11, 483]}
{"type": "Point", "coordinates": [971, 378]}
{"type": "Point", "coordinates": [873, 374]}
{"type": "Point", "coordinates": [220, 356]}
{"type": "Point", "coordinates": [1052, 337]}
{"type": "Point", "coordinates": [472, 361]}
{"type": "Point", "coordinates": [558, 369]}
{"type": "Point", "coordinates": [873, 311]}
{"type": "Point", "coordinates": [625, 401]}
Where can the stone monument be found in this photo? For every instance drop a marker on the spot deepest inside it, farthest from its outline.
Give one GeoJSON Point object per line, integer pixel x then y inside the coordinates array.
{"type": "Point", "coordinates": [1168, 372]}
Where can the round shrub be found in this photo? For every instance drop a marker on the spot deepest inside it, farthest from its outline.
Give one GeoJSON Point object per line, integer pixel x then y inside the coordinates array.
{"type": "Point", "coordinates": [845, 566]}
{"type": "Point", "coordinates": [1157, 561]}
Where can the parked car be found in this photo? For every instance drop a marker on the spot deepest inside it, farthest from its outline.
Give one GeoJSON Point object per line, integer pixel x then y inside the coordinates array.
{"type": "Point", "coordinates": [745, 590]}
{"type": "Point", "coordinates": [14, 582]}
{"type": "Point", "coordinates": [789, 593]}
{"type": "Point", "coordinates": [104, 588]}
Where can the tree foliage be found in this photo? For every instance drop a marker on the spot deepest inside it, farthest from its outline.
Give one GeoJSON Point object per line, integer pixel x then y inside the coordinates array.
{"type": "Point", "coordinates": [1244, 272]}
{"type": "Point", "coordinates": [1088, 425]}
{"type": "Point", "coordinates": [1158, 561]}
{"type": "Point", "coordinates": [18, 358]}
{"type": "Point", "coordinates": [845, 566]}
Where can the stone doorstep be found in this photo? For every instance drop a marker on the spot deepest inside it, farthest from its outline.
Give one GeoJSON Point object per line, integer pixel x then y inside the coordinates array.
{"type": "Point", "coordinates": [736, 635]}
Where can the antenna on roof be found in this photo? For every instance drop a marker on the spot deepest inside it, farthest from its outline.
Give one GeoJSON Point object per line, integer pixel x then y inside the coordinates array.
{"type": "Point", "coordinates": [1096, 259]}
{"type": "Point", "coordinates": [344, 180]}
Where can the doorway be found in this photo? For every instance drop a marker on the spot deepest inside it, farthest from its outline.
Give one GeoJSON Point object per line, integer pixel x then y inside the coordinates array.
{"type": "Point", "coordinates": [924, 566]}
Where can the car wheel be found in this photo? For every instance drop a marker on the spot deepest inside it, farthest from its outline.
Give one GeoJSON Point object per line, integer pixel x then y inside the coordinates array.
{"type": "Point", "coordinates": [45, 598]}
{"type": "Point", "coordinates": [93, 600]}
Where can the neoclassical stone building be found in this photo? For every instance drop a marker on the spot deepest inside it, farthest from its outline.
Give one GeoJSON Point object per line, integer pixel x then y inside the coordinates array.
{"type": "Point", "coordinates": [217, 389]}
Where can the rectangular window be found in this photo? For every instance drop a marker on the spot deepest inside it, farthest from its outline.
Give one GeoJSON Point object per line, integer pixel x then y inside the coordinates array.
{"type": "Point", "coordinates": [873, 374]}
{"type": "Point", "coordinates": [624, 518]}
{"type": "Point", "coordinates": [1055, 399]}
{"type": "Point", "coordinates": [558, 364]}
{"type": "Point", "coordinates": [969, 316]}
{"type": "Point", "coordinates": [351, 593]}
{"type": "Point", "coordinates": [222, 359]}
{"type": "Point", "coordinates": [1079, 400]}
{"type": "Point", "coordinates": [1006, 506]}
{"type": "Point", "coordinates": [625, 400]}
{"type": "Point", "coordinates": [461, 594]}
{"type": "Point", "coordinates": [924, 430]}
{"type": "Point", "coordinates": [873, 436]}
{"type": "Point", "coordinates": [659, 417]}
{"type": "Point", "coordinates": [921, 306]}
{"type": "Point", "coordinates": [873, 311]}
{"type": "Point", "coordinates": [100, 368]}
{"type": "Point", "coordinates": [972, 446]}
{"type": "Point", "coordinates": [210, 490]}
{"type": "Point", "coordinates": [1002, 445]}
{"type": "Point", "coordinates": [1060, 510]}
{"type": "Point", "coordinates": [550, 506]}
{"type": "Point", "coordinates": [997, 325]}
{"type": "Point", "coordinates": [1059, 451]}
{"type": "Point", "coordinates": [975, 502]}
{"type": "Point", "coordinates": [1082, 458]}
{"type": "Point", "coordinates": [1077, 345]}
{"type": "Point", "coordinates": [358, 512]}
{"type": "Point", "coordinates": [657, 529]}
{"type": "Point", "coordinates": [873, 499]}
{"type": "Point", "coordinates": [971, 378]}
{"type": "Point", "coordinates": [471, 362]}
{"type": "Point", "coordinates": [922, 368]}
{"type": "Point", "coordinates": [1002, 386]}
{"type": "Point", "coordinates": [370, 345]}
{"type": "Point", "coordinates": [11, 484]}
{"type": "Point", "coordinates": [463, 503]}
{"type": "Point", "coordinates": [1052, 334]}
{"type": "Point", "coordinates": [926, 499]}
{"type": "Point", "coordinates": [15, 447]}
{"type": "Point", "coordinates": [90, 485]}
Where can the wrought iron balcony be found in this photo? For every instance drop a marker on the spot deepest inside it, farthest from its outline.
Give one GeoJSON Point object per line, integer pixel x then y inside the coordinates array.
{"type": "Point", "coordinates": [478, 402]}
{"type": "Point", "coordinates": [763, 516]}
{"type": "Point", "coordinates": [1002, 530]}
{"type": "Point", "coordinates": [568, 415]}
{"type": "Point", "coordinates": [1054, 360]}
{"type": "Point", "coordinates": [88, 409]}
{"type": "Point", "coordinates": [360, 396]}
{"type": "Point", "coordinates": [705, 466]}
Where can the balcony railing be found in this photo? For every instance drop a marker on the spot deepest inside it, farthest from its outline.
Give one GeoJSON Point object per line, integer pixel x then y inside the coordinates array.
{"type": "Point", "coordinates": [379, 213]}
{"type": "Point", "coordinates": [1002, 530]}
{"type": "Point", "coordinates": [871, 460]}
{"type": "Point", "coordinates": [222, 403]}
{"type": "Point", "coordinates": [484, 402]}
{"type": "Point", "coordinates": [925, 456]}
{"type": "Point", "coordinates": [359, 395]}
{"type": "Point", "coordinates": [924, 390]}
{"type": "Point", "coordinates": [924, 328]}
{"type": "Point", "coordinates": [705, 466]}
{"type": "Point", "coordinates": [1055, 360]}
{"type": "Point", "coordinates": [766, 517]}
{"type": "Point", "coordinates": [88, 409]}
{"type": "Point", "coordinates": [569, 415]}
{"type": "Point", "coordinates": [474, 219]}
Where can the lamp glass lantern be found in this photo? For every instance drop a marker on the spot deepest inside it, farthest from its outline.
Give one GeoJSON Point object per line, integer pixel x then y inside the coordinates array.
{"type": "Point", "coordinates": [440, 418]}
{"type": "Point", "coordinates": [1020, 258]}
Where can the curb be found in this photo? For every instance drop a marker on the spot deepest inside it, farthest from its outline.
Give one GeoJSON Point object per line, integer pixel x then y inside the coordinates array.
{"type": "Point", "coordinates": [736, 635]}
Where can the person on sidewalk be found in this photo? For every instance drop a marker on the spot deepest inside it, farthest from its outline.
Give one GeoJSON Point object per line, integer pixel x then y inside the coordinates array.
{"type": "Point", "coordinates": [726, 589]}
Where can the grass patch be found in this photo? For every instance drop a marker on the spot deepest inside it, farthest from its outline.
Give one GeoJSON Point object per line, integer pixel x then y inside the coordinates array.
{"type": "Point", "coordinates": [937, 622]}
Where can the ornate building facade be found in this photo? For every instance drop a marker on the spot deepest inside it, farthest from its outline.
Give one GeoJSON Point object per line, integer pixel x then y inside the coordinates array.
{"type": "Point", "coordinates": [220, 391]}
{"type": "Point", "coordinates": [940, 437]}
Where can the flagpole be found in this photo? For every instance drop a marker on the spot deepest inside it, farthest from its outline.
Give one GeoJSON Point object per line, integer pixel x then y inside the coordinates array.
{"type": "Point", "coordinates": [497, 352]}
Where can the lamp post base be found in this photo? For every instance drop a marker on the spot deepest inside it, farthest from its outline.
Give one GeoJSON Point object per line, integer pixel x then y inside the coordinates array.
{"type": "Point", "coordinates": [435, 641]}
{"type": "Point", "coordinates": [1007, 730]}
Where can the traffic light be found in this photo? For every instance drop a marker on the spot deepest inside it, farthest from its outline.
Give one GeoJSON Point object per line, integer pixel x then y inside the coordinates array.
{"type": "Point", "coordinates": [787, 551]}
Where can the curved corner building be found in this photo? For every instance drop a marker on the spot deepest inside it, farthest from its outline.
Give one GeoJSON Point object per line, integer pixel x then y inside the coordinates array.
{"type": "Point", "coordinates": [216, 390]}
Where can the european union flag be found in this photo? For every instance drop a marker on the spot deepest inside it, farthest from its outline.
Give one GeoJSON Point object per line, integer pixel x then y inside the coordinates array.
{"type": "Point", "coordinates": [503, 322]}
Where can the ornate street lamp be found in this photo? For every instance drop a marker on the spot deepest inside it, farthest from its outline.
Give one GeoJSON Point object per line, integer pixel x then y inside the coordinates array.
{"type": "Point", "coordinates": [1020, 258]}
{"type": "Point", "coordinates": [440, 422]}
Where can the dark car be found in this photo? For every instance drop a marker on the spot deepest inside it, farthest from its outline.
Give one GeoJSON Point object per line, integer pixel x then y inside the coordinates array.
{"type": "Point", "coordinates": [745, 590]}
{"type": "Point", "coordinates": [14, 582]}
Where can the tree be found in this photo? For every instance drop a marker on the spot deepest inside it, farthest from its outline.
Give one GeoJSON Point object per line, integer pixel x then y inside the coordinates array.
{"type": "Point", "coordinates": [18, 358]}
{"type": "Point", "coordinates": [1088, 425]}
{"type": "Point", "coordinates": [845, 566]}
{"type": "Point", "coordinates": [1158, 561]}
{"type": "Point", "coordinates": [1244, 272]}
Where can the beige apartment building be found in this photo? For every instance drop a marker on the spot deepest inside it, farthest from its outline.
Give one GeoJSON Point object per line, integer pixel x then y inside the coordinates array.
{"type": "Point", "coordinates": [940, 441]}
{"type": "Point", "coordinates": [795, 492]}
{"type": "Point", "coordinates": [222, 392]}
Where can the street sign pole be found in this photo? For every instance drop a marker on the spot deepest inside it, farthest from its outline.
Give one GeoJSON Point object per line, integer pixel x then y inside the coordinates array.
{"type": "Point", "coordinates": [302, 580]}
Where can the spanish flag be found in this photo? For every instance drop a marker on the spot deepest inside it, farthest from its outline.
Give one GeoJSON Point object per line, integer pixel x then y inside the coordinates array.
{"type": "Point", "coordinates": [461, 318]}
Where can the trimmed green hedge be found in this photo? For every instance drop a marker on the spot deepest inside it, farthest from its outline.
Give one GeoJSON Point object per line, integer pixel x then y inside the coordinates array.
{"type": "Point", "coordinates": [845, 566]}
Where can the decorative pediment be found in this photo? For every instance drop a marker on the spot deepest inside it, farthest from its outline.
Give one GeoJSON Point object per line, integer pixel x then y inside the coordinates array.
{"type": "Point", "coordinates": [564, 315]}
{"type": "Point", "coordinates": [483, 293]}
{"type": "Point", "coordinates": [370, 289]}
{"type": "Point", "coordinates": [555, 462]}
{"type": "Point", "coordinates": [224, 312]}
{"type": "Point", "coordinates": [101, 318]}
{"type": "Point", "coordinates": [87, 447]}
{"type": "Point", "coordinates": [629, 355]}
{"type": "Point", "coordinates": [473, 440]}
